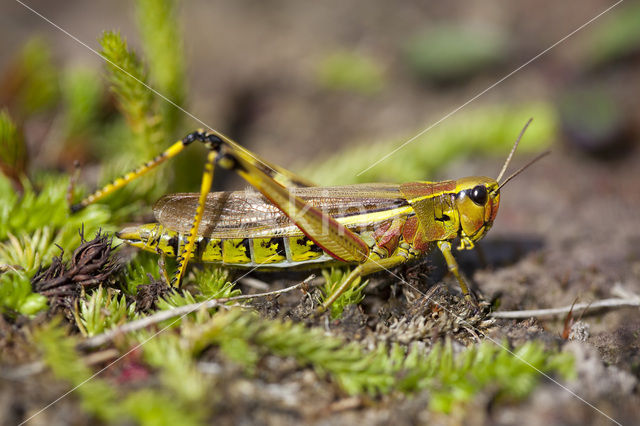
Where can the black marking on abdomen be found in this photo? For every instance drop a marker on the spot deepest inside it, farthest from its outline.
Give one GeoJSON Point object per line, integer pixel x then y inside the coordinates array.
{"type": "Point", "coordinates": [280, 250]}
{"type": "Point", "coordinates": [201, 246]}
{"type": "Point", "coordinates": [174, 244]}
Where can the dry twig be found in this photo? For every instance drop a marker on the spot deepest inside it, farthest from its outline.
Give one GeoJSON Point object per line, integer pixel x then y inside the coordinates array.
{"type": "Point", "coordinates": [624, 299]}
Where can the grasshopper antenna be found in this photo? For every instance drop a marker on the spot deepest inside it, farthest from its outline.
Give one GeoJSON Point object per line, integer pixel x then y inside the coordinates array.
{"type": "Point", "coordinates": [513, 150]}
{"type": "Point", "coordinates": [522, 169]}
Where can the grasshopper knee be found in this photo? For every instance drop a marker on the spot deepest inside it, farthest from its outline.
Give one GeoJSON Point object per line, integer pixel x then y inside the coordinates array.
{"type": "Point", "coordinates": [210, 140]}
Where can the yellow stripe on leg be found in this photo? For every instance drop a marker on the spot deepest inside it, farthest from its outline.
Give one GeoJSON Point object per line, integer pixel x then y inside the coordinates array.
{"type": "Point", "coordinates": [118, 183]}
{"type": "Point", "coordinates": [205, 187]}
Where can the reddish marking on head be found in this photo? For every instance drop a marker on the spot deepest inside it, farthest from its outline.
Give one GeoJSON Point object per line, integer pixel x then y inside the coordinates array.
{"type": "Point", "coordinates": [495, 203]}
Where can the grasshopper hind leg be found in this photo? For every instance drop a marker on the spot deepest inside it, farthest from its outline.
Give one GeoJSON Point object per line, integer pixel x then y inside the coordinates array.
{"type": "Point", "coordinates": [186, 252]}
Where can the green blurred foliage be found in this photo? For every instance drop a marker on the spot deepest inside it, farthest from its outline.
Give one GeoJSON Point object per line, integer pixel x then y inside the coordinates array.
{"type": "Point", "coordinates": [173, 358]}
{"type": "Point", "coordinates": [82, 97]}
{"type": "Point", "coordinates": [615, 37]}
{"type": "Point", "coordinates": [163, 47]}
{"type": "Point", "coordinates": [350, 72]}
{"type": "Point", "coordinates": [136, 102]}
{"type": "Point", "coordinates": [447, 53]}
{"type": "Point", "coordinates": [13, 150]}
{"type": "Point", "coordinates": [592, 119]}
{"type": "Point", "coordinates": [107, 401]}
{"type": "Point", "coordinates": [58, 352]}
{"type": "Point", "coordinates": [31, 83]}
{"type": "Point", "coordinates": [491, 130]}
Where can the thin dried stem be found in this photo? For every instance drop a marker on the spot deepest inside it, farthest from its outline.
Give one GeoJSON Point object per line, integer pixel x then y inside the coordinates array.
{"type": "Point", "coordinates": [553, 312]}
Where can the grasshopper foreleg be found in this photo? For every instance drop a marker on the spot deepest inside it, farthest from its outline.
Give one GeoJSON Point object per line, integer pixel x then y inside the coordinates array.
{"type": "Point", "coordinates": [445, 248]}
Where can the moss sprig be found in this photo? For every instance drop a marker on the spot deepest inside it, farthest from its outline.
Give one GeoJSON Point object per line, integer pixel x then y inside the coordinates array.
{"type": "Point", "coordinates": [102, 310]}
{"type": "Point", "coordinates": [351, 296]}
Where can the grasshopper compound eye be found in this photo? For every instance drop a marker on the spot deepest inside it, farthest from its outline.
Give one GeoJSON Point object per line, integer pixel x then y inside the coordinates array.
{"type": "Point", "coordinates": [479, 195]}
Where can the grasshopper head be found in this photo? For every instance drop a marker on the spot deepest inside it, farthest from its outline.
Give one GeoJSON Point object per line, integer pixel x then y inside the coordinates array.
{"type": "Point", "coordinates": [477, 200]}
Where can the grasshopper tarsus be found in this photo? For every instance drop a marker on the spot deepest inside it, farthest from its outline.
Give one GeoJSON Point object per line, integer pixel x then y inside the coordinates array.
{"type": "Point", "coordinates": [472, 301]}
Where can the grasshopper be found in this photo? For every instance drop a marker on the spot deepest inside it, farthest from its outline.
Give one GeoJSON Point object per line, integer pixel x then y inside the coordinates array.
{"type": "Point", "coordinates": [289, 222]}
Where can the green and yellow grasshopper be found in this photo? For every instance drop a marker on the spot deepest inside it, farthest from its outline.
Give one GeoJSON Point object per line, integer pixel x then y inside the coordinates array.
{"type": "Point", "coordinates": [289, 222]}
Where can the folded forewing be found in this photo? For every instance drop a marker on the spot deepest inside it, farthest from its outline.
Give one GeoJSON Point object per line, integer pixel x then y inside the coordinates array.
{"type": "Point", "coordinates": [248, 214]}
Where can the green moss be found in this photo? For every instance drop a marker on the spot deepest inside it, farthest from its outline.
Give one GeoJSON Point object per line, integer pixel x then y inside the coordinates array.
{"type": "Point", "coordinates": [450, 378]}
{"type": "Point", "coordinates": [138, 270]}
{"type": "Point", "coordinates": [173, 359]}
{"type": "Point", "coordinates": [102, 310]}
{"type": "Point", "coordinates": [208, 284]}
{"type": "Point", "coordinates": [351, 296]}
{"type": "Point", "coordinates": [213, 283]}
{"type": "Point", "coordinates": [163, 405]}
{"type": "Point", "coordinates": [26, 214]}
{"type": "Point", "coordinates": [16, 295]}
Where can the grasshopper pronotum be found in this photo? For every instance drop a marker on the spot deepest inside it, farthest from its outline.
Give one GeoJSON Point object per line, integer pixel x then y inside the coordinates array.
{"type": "Point", "coordinates": [290, 222]}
